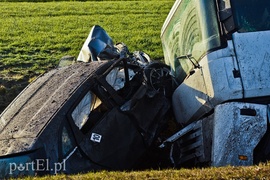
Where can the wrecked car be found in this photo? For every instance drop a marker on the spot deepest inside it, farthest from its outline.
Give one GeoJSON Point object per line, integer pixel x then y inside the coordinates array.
{"type": "Point", "coordinates": [102, 112]}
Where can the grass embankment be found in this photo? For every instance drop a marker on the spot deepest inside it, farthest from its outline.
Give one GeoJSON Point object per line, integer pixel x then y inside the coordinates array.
{"type": "Point", "coordinates": [235, 173]}
{"type": "Point", "coordinates": [34, 36]}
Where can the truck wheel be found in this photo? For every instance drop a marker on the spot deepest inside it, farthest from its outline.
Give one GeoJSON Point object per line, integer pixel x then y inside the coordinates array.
{"type": "Point", "coordinates": [262, 151]}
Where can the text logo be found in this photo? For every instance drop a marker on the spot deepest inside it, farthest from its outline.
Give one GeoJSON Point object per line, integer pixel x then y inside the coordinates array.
{"type": "Point", "coordinates": [39, 165]}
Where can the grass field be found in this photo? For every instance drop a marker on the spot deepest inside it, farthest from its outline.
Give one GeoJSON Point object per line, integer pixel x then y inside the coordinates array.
{"type": "Point", "coordinates": [34, 36]}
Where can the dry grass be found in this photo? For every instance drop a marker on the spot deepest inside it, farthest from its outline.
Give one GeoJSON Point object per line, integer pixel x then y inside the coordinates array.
{"type": "Point", "coordinates": [261, 171]}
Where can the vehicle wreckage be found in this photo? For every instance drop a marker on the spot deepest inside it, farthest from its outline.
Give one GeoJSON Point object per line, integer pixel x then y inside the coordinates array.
{"type": "Point", "coordinates": [103, 112]}
{"type": "Point", "coordinates": [109, 109]}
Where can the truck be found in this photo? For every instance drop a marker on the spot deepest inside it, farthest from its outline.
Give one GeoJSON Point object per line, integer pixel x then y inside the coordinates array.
{"type": "Point", "coordinates": [219, 52]}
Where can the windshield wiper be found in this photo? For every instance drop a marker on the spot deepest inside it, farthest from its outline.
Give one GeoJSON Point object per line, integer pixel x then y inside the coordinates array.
{"type": "Point", "coordinates": [191, 59]}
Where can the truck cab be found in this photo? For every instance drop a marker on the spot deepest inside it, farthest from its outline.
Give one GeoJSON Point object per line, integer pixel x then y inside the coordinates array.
{"type": "Point", "coordinates": [219, 52]}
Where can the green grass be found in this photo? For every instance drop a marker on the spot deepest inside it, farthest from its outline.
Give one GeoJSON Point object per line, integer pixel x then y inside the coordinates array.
{"type": "Point", "coordinates": [34, 36]}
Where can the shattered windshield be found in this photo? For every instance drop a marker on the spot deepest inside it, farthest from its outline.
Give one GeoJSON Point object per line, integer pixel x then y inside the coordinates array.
{"type": "Point", "coordinates": [251, 15]}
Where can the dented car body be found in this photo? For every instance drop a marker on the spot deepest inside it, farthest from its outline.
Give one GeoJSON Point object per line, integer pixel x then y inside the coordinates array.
{"type": "Point", "coordinates": [100, 114]}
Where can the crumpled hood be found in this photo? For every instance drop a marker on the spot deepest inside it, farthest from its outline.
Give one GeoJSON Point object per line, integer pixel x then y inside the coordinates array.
{"type": "Point", "coordinates": [12, 146]}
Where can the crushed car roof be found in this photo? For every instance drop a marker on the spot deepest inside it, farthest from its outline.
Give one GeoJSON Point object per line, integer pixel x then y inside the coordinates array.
{"type": "Point", "coordinates": [28, 114]}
